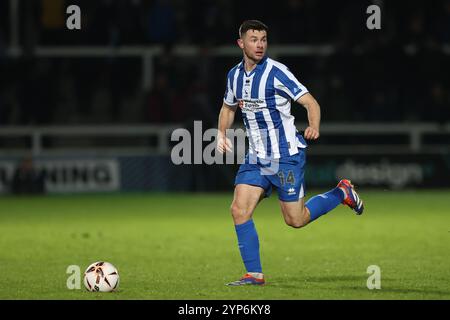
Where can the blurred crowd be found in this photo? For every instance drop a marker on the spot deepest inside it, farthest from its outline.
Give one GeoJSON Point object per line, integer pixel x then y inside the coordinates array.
{"type": "Point", "coordinates": [398, 73]}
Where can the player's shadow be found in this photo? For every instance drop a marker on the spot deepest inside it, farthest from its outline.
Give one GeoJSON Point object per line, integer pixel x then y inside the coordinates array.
{"type": "Point", "coordinates": [403, 291]}
{"type": "Point", "coordinates": [362, 279]}
{"type": "Point", "coordinates": [295, 282]}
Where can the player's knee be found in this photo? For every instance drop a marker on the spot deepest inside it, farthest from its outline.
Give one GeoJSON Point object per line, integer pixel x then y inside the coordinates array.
{"type": "Point", "coordinates": [236, 211]}
{"type": "Point", "coordinates": [296, 223]}
{"type": "Point", "coordinates": [239, 213]}
{"type": "Point", "coordinates": [295, 218]}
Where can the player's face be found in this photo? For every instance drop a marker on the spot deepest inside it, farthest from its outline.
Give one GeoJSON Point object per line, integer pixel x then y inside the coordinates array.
{"type": "Point", "coordinates": [254, 44]}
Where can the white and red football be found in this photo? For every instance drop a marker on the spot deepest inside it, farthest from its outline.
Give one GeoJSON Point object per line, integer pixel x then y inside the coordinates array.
{"type": "Point", "coordinates": [101, 276]}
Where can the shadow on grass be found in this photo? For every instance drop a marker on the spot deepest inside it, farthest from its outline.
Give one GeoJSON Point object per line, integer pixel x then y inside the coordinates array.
{"type": "Point", "coordinates": [296, 282]}
{"type": "Point", "coordinates": [361, 279]}
{"type": "Point", "coordinates": [306, 279]}
{"type": "Point", "coordinates": [404, 291]}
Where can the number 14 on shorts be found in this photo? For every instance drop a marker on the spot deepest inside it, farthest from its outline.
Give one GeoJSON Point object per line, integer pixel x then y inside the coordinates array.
{"type": "Point", "coordinates": [289, 178]}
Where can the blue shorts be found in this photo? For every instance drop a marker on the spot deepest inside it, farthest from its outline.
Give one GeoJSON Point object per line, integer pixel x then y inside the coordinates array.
{"type": "Point", "coordinates": [286, 174]}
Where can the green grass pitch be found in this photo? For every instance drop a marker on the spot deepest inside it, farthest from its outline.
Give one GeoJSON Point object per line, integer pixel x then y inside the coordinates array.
{"type": "Point", "coordinates": [183, 246]}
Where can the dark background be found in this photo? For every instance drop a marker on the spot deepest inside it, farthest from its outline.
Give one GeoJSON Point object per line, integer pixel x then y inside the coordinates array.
{"type": "Point", "coordinates": [399, 75]}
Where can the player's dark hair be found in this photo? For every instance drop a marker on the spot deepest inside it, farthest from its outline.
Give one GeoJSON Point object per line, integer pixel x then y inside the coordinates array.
{"type": "Point", "coordinates": [252, 25]}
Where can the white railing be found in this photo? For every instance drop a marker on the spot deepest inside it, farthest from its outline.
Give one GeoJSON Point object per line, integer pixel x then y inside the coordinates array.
{"type": "Point", "coordinates": [161, 135]}
{"type": "Point", "coordinates": [148, 53]}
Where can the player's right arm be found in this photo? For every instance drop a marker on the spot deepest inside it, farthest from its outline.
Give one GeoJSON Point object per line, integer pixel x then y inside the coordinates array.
{"type": "Point", "coordinates": [226, 115]}
{"type": "Point", "coordinates": [226, 119]}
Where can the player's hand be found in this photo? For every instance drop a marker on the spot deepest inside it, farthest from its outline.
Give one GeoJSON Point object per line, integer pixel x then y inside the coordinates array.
{"type": "Point", "coordinates": [224, 144]}
{"type": "Point", "coordinates": [311, 133]}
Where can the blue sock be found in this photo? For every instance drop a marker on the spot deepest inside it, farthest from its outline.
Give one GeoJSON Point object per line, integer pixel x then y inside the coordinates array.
{"type": "Point", "coordinates": [249, 245]}
{"type": "Point", "coordinates": [323, 203]}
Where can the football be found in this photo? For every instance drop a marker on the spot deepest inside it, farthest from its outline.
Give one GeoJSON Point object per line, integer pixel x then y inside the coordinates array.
{"type": "Point", "coordinates": [101, 276]}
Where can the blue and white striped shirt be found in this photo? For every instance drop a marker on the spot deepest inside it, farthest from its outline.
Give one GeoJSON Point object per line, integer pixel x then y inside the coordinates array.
{"type": "Point", "coordinates": [264, 96]}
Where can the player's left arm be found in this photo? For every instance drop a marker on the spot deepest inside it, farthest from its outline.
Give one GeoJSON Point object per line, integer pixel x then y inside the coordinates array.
{"type": "Point", "coordinates": [312, 107]}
